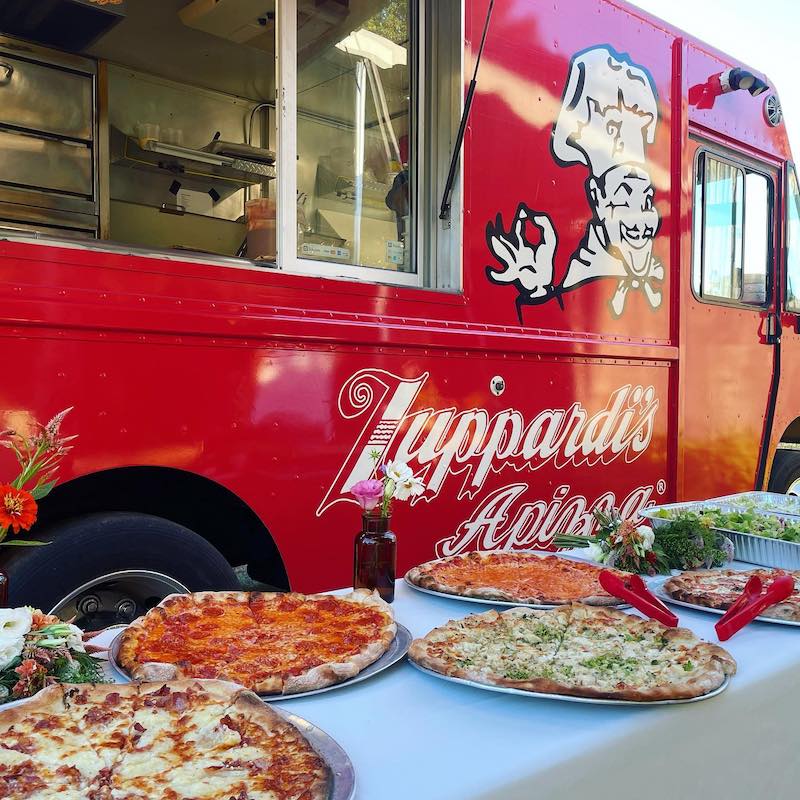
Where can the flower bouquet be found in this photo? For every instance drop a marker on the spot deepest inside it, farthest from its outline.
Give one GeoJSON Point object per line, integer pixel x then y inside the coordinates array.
{"type": "Point", "coordinates": [39, 649]}
{"type": "Point", "coordinates": [38, 453]}
{"type": "Point", "coordinates": [682, 544]}
{"type": "Point", "coordinates": [397, 482]}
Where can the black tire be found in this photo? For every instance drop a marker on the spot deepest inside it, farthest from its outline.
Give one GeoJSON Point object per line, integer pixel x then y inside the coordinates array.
{"type": "Point", "coordinates": [85, 548]}
{"type": "Point", "coordinates": [785, 470]}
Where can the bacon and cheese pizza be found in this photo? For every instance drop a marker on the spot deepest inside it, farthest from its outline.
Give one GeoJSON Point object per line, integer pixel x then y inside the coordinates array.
{"type": "Point", "coordinates": [719, 588]}
{"type": "Point", "coordinates": [523, 577]}
{"type": "Point", "coordinates": [204, 740]}
{"type": "Point", "coordinates": [272, 643]}
{"type": "Point", "coordinates": [578, 650]}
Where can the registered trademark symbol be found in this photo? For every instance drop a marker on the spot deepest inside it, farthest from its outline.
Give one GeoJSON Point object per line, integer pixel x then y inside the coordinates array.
{"type": "Point", "coordinates": [661, 486]}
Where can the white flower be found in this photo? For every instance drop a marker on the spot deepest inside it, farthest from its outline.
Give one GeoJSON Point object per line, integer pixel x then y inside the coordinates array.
{"type": "Point", "coordinates": [596, 552]}
{"type": "Point", "coordinates": [14, 622]}
{"type": "Point", "coordinates": [398, 471]}
{"type": "Point", "coordinates": [10, 648]}
{"type": "Point", "coordinates": [648, 536]}
{"type": "Point", "coordinates": [74, 639]}
{"type": "Point", "coordinates": [405, 489]}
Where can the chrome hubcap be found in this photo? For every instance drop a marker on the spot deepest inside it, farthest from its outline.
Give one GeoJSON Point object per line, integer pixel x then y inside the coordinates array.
{"type": "Point", "coordinates": [116, 598]}
{"type": "Point", "coordinates": [794, 487]}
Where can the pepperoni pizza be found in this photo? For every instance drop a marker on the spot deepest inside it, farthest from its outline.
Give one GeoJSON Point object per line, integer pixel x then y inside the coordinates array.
{"type": "Point", "coordinates": [205, 740]}
{"type": "Point", "coordinates": [272, 643]}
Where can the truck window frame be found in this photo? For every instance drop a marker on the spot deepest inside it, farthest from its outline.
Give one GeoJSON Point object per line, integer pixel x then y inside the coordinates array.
{"type": "Point", "coordinates": [437, 248]}
{"type": "Point", "coordinates": [791, 170]}
{"type": "Point", "coordinates": [745, 165]}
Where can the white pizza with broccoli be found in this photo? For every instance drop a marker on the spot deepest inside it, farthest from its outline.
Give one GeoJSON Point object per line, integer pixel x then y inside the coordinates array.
{"type": "Point", "coordinates": [577, 650]}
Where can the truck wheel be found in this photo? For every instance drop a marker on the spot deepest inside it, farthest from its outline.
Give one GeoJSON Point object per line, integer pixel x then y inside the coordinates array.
{"type": "Point", "coordinates": [111, 568]}
{"type": "Point", "coordinates": [785, 476]}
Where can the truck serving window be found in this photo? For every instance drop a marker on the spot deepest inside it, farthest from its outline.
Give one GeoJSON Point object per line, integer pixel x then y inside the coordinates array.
{"type": "Point", "coordinates": [177, 146]}
{"type": "Point", "coordinates": [732, 232]}
{"type": "Point", "coordinates": [793, 244]}
{"type": "Point", "coordinates": [377, 104]}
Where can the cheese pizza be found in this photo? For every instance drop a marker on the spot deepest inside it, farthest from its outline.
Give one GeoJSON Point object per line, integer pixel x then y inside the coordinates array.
{"type": "Point", "coordinates": [576, 650]}
{"type": "Point", "coordinates": [719, 588]}
{"type": "Point", "coordinates": [204, 740]}
{"type": "Point", "coordinates": [272, 643]}
{"type": "Point", "coordinates": [521, 577]}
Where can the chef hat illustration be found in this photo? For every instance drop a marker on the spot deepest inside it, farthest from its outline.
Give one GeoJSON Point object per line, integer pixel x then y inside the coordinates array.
{"type": "Point", "coordinates": [609, 112]}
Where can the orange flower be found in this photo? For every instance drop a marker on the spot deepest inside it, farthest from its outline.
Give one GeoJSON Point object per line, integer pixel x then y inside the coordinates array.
{"type": "Point", "coordinates": [17, 508]}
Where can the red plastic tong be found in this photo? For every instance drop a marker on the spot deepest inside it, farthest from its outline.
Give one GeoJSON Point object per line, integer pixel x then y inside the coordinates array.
{"type": "Point", "coordinates": [633, 591]}
{"type": "Point", "coordinates": [751, 602]}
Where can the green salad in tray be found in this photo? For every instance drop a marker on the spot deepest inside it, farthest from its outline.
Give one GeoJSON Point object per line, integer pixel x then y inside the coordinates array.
{"type": "Point", "coordinates": [741, 521]}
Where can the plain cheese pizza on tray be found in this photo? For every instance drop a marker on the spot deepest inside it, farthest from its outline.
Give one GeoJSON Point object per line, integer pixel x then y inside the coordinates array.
{"type": "Point", "coordinates": [204, 740]}
{"type": "Point", "coordinates": [523, 577]}
{"type": "Point", "coordinates": [576, 650]}
{"type": "Point", "coordinates": [272, 643]}
{"type": "Point", "coordinates": [720, 588]}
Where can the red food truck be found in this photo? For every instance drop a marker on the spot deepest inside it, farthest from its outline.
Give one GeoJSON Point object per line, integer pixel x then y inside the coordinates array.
{"type": "Point", "coordinates": [602, 312]}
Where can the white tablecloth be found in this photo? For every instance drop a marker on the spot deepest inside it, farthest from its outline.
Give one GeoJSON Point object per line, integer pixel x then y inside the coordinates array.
{"type": "Point", "coordinates": [411, 735]}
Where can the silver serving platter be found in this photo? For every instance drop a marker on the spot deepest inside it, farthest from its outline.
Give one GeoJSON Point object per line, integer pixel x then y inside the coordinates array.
{"type": "Point", "coordinates": [396, 652]}
{"type": "Point", "coordinates": [569, 698]}
{"type": "Point", "coordinates": [342, 772]}
{"type": "Point", "coordinates": [510, 603]}
{"type": "Point", "coordinates": [656, 586]}
{"type": "Point", "coordinates": [749, 547]}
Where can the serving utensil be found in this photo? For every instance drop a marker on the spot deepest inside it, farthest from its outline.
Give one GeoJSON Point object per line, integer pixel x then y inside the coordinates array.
{"type": "Point", "coordinates": [751, 602]}
{"type": "Point", "coordinates": [633, 590]}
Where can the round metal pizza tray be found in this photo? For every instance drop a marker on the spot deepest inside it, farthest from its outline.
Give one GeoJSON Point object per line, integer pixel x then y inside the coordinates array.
{"type": "Point", "coordinates": [509, 603]}
{"type": "Point", "coordinates": [570, 698]}
{"type": "Point", "coordinates": [343, 774]}
{"type": "Point", "coordinates": [396, 652]}
{"type": "Point", "coordinates": [656, 586]}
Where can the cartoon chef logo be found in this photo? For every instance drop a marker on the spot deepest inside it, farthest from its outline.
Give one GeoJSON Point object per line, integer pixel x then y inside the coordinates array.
{"type": "Point", "coordinates": [608, 117]}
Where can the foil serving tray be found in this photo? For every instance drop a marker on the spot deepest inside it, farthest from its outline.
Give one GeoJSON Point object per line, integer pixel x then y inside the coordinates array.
{"type": "Point", "coordinates": [750, 547]}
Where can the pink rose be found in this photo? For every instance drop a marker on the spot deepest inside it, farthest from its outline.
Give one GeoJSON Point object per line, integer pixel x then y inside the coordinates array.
{"type": "Point", "coordinates": [368, 493]}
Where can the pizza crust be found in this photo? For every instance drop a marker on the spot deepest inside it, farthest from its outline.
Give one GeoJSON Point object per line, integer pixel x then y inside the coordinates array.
{"type": "Point", "coordinates": [425, 576]}
{"type": "Point", "coordinates": [685, 667]}
{"type": "Point", "coordinates": [233, 706]}
{"type": "Point", "coordinates": [317, 677]}
{"type": "Point", "coordinates": [718, 589]}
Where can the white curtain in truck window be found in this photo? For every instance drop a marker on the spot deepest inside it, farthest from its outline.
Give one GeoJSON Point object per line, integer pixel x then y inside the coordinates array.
{"type": "Point", "coordinates": [722, 235]}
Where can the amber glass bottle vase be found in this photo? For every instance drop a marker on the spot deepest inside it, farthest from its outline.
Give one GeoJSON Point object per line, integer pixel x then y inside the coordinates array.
{"type": "Point", "coordinates": [375, 557]}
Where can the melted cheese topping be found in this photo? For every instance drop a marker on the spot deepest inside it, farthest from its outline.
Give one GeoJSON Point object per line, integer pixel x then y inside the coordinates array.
{"type": "Point", "coordinates": [178, 745]}
{"type": "Point", "coordinates": [268, 637]}
{"type": "Point", "coordinates": [521, 575]}
{"type": "Point", "coordinates": [580, 647]}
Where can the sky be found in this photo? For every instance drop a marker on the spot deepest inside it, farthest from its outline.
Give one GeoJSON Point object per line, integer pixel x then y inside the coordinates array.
{"type": "Point", "coordinates": [764, 35]}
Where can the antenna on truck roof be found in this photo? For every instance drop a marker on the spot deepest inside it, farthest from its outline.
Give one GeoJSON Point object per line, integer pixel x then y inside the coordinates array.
{"type": "Point", "coordinates": [444, 211]}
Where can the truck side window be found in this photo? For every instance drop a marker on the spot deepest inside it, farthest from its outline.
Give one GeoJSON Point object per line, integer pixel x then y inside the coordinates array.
{"type": "Point", "coordinates": [732, 233]}
{"type": "Point", "coordinates": [793, 244]}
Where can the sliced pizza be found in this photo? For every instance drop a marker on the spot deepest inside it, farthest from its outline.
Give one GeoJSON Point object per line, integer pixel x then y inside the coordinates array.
{"type": "Point", "coordinates": [272, 643]}
{"type": "Point", "coordinates": [205, 740]}
{"type": "Point", "coordinates": [576, 650]}
{"type": "Point", "coordinates": [520, 577]}
{"type": "Point", "coordinates": [719, 589]}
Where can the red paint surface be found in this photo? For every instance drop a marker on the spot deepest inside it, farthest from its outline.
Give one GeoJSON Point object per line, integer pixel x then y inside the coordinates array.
{"type": "Point", "coordinates": [236, 374]}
